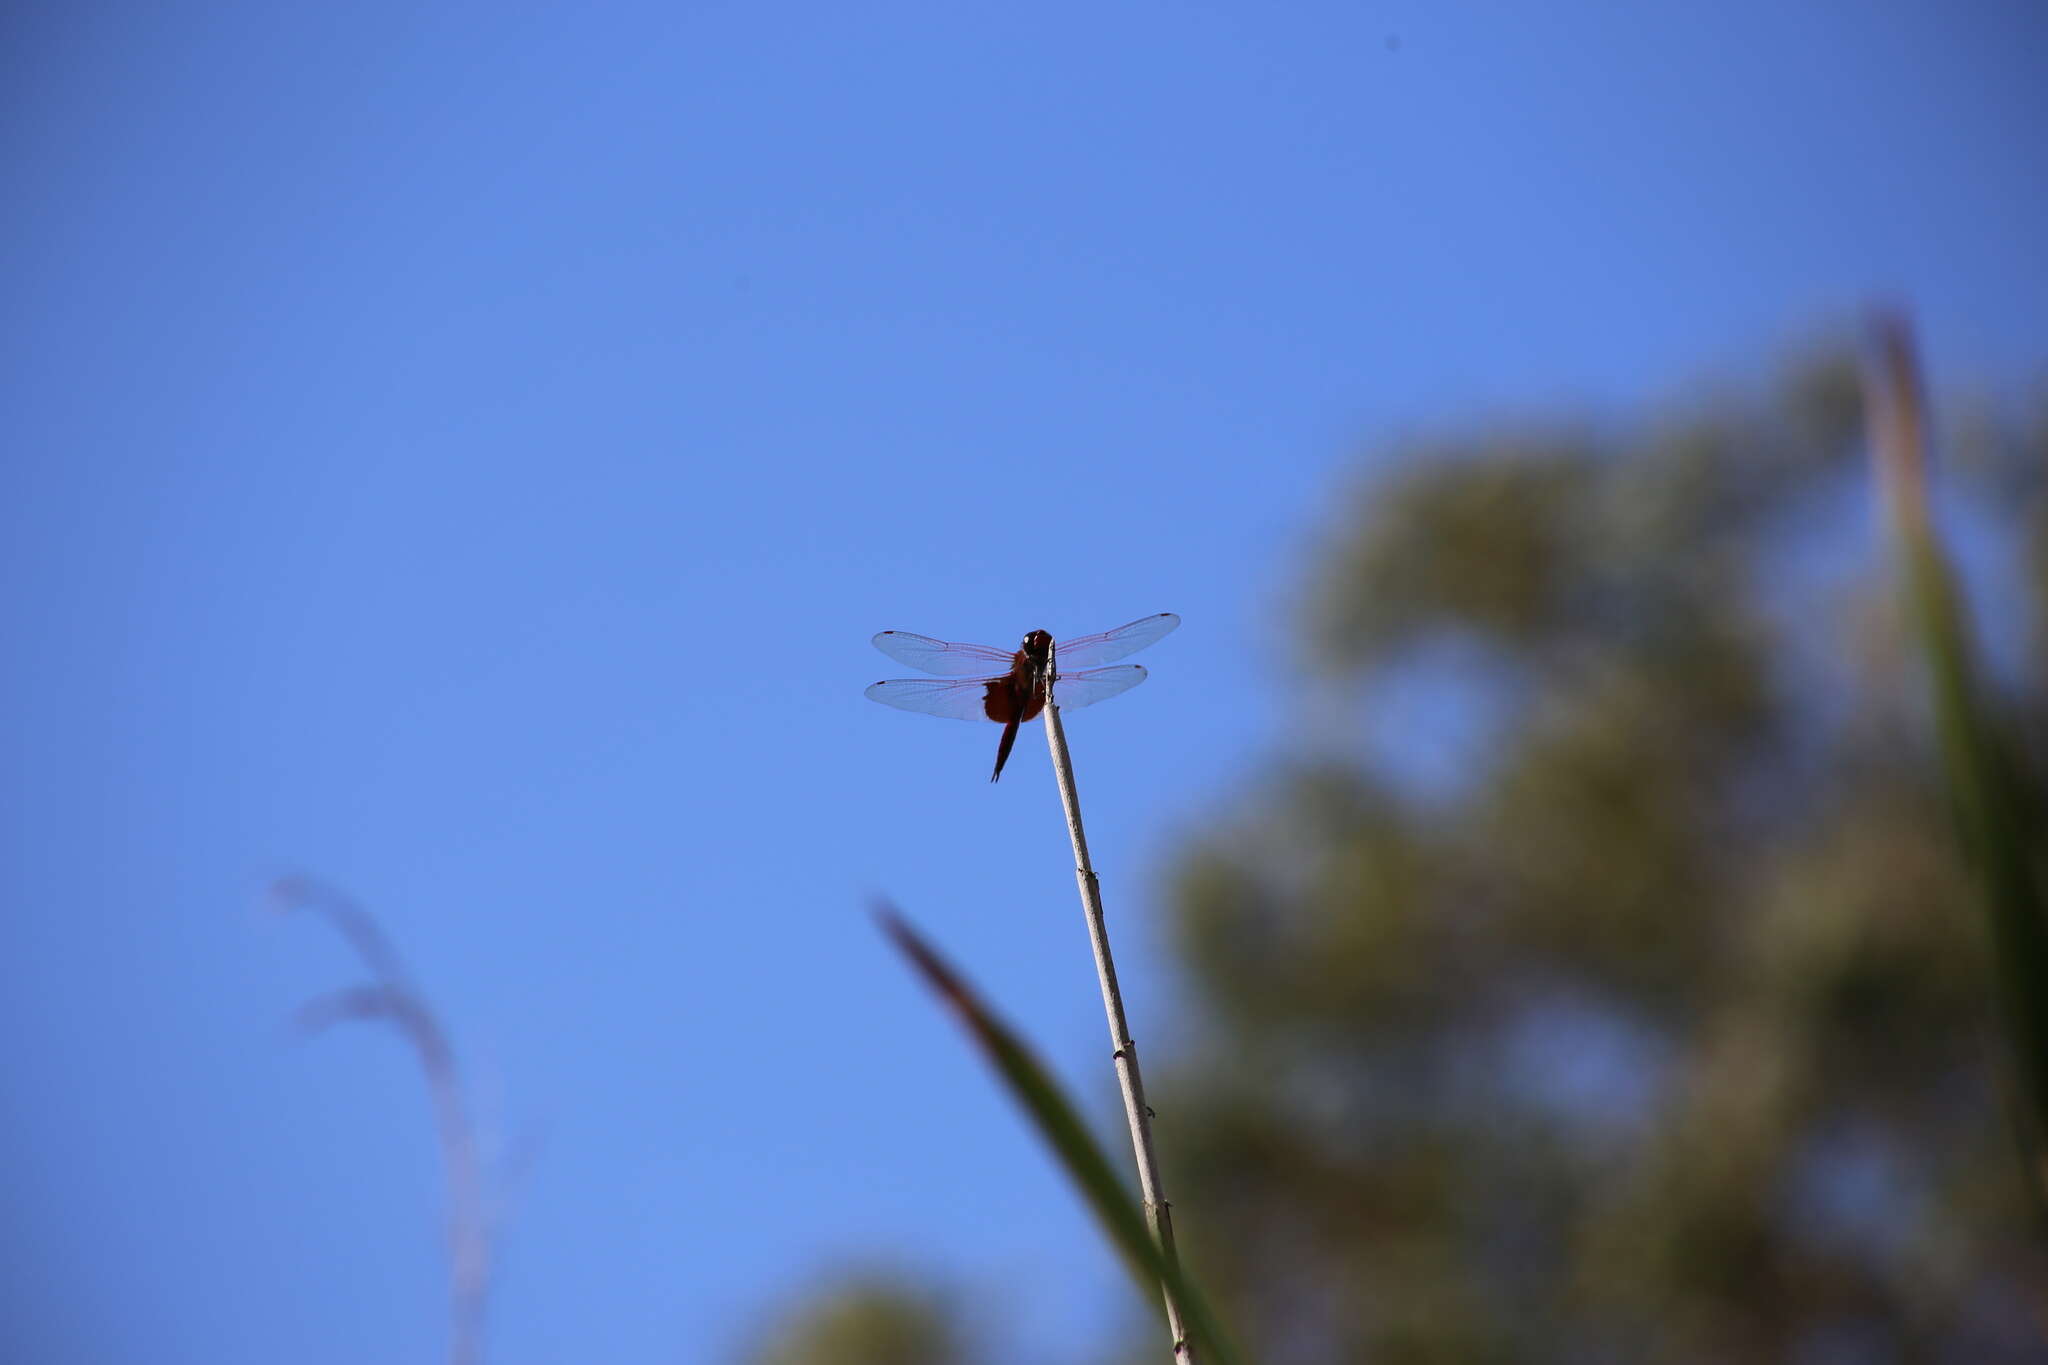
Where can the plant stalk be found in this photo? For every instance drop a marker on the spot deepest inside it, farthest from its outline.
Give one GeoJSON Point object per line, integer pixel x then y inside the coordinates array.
{"type": "Point", "coordinates": [1992, 794]}
{"type": "Point", "coordinates": [395, 1000]}
{"type": "Point", "coordinates": [1158, 1214]}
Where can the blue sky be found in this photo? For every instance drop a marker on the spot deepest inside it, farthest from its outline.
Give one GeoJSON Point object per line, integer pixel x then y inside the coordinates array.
{"type": "Point", "coordinates": [462, 452]}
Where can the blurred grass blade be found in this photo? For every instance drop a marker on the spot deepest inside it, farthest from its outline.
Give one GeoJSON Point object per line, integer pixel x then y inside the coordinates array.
{"type": "Point", "coordinates": [1060, 1125]}
{"type": "Point", "coordinates": [1993, 802]}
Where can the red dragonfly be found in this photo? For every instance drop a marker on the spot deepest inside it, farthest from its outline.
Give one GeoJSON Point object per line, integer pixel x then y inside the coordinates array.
{"type": "Point", "coordinates": [1011, 688]}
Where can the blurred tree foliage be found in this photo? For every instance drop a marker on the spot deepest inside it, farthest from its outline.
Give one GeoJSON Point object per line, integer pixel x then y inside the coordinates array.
{"type": "Point", "coordinates": [865, 1319]}
{"type": "Point", "coordinates": [1661, 1032]}
{"type": "Point", "coordinates": [1658, 1028]}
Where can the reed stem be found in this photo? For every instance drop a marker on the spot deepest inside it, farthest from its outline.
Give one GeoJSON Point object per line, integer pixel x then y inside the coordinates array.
{"type": "Point", "coordinates": [1158, 1213]}
{"type": "Point", "coordinates": [394, 999]}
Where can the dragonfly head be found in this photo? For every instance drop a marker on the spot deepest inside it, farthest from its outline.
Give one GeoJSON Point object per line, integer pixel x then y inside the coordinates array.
{"type": "Point", "coordinates": [1038, 646]}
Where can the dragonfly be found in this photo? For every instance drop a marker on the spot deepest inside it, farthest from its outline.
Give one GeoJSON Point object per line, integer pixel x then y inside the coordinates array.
{"type": "Point", "coordinates": [1009, 687]}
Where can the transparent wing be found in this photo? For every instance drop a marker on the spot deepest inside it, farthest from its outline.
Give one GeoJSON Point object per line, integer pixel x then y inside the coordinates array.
{"type": "Point", "coordinates": [1092, 685]}
{"type": "Point", "coordinates": [955, 699]}
{"type": "Point", "coordinates": [927, 655]}
{"type": "Point", "coordinates": [1085, 651]}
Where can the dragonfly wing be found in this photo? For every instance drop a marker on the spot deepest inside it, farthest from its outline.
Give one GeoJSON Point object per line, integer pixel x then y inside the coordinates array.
{"type": "Point", "coordinates": [945, 659]}
{"type": "Point", "coordinates": [1088, 650]}
{"type": "Point", "coordinates": [1085, 688]}
{"type": "Point", "coordinates": [955, 699]}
